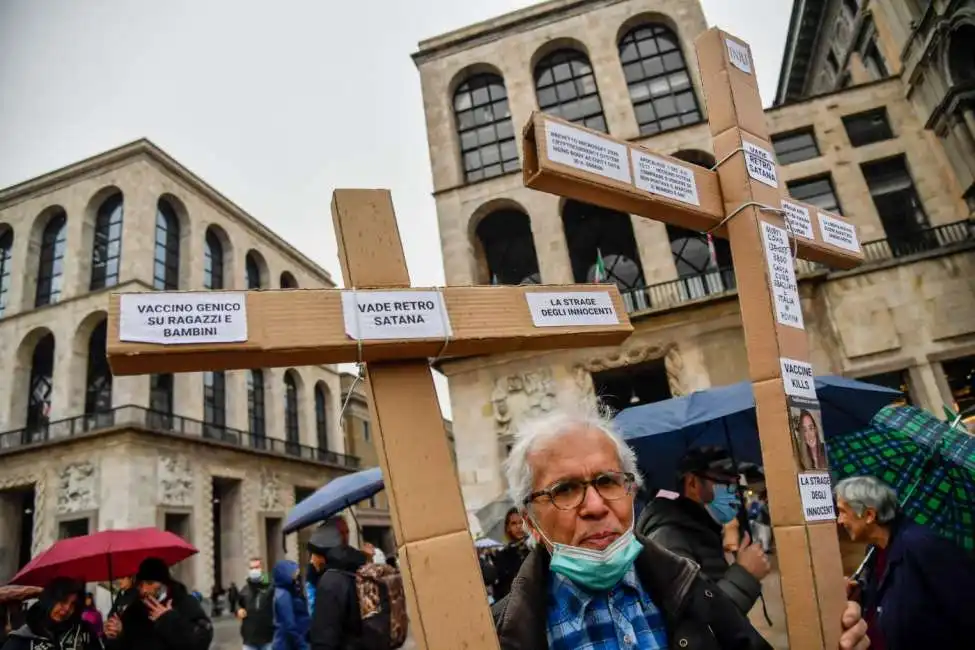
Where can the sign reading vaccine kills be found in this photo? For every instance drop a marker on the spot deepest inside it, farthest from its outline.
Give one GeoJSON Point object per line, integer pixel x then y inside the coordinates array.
{"type": "Point", "coordinates": [782, 275]}
{"type": "Point", "coordinates": [572, 309]}
{"type": "Point", "coordinates": [798, 379]}
{"type": "Point", "coordinates": [760, 164]}
{"type": "Point", "coordinates": [587, 151]}
{"type": "Point", "coordinates": [182, 318]}
{"type": "Point", "coordinates": [665, 178]}
{"type": "Point", "coordinates": [372, 315]}
{"type": "Point", "coordinates": [816, 493]}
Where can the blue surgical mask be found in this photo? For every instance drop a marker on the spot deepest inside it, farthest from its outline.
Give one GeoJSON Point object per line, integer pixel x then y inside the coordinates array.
{"type": "Point", "coordinates": [724, 507]}
{"type": "Point", "coordinates": [592, 569]}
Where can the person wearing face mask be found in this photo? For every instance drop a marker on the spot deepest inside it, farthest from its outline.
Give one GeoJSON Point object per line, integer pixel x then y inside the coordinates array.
{"type": "Point", "coordinates": [691, 524]}
{"type": "Point", "coordinates": [255, 608]}
{"type": "Point", "coordinates": [54, 621]}
{"type": "Point", "coordinates": [590, 580]}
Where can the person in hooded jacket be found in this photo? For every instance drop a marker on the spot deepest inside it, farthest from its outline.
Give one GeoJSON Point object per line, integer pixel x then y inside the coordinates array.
{"type": "Point", "coordinates": [164, 617]}
{"type": "Point", "coordinates": [291, 618]}
{"type": "Point", "coordinates": [691, 523]}
{"type": "Point", "coordinates": [336, 623]}
{"type": "Point", "coordinates": [54, 621]}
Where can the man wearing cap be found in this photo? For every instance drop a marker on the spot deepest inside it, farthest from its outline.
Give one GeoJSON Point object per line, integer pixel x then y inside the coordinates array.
{"type": "Point", "coordinates": [691, 524]}
{"type": "Point", "coordinates": [335, 621]}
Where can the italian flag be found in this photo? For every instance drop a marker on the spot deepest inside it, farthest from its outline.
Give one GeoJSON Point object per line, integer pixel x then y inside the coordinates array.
{"type": "Point", "coordinates": [712, 251]}
{"type": "Point", "coordinates": [600, 267]}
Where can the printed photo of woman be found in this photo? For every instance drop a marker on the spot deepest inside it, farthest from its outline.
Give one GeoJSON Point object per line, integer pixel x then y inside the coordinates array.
{"type": "Point", "coordinates": [809, 439]}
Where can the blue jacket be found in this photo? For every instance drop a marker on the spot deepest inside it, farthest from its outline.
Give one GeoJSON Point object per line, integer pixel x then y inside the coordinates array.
{"type": "Point", "coordinates": [291, 620]}
{"type": "Point", "coordinates": [924, 598]}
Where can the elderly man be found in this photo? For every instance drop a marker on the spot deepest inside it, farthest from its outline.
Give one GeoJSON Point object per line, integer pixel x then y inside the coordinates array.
{"type": "Point", "coordinates": [591, 584]}
{"type": "Point", "coordinates": [919, 587]}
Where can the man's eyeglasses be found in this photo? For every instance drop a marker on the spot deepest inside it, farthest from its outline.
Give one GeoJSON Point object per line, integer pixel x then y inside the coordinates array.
{"type": "Point", "coordinates": [568, 495]}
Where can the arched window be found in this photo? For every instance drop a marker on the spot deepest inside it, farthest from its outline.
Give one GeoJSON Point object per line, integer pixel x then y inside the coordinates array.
{"type": "Point", "coordinates": [506, 236]}
{"type": "Point", "coordinates": [657, 76]}
{"type": "Point", "coordinates": [292, 431]}
{"type": "Point", "coordinates": [166, 267]}
{"type": "Point", "coordinates": [6, 265]}
{"type": "Point", "coordinates": [50, 271]}
{"type": "Point", "coordinates": [107, 246]}
{"type": "Point", "coordinates": [40, 387]}
{"type": "Point", "coordinates": [483, 118]}
{"type": "Point", "coordinates": [98, 384]}
{"type": "Point", "coordinates": [212, 261]}
{"type": "Point", "coordinates": [252, 268]}
{"type": "Point", "coordinates": [321, 417]}
{"type": "Point", "coordinates": [161, 401]}
{"type": "Point", "coordinates": [214, 403]}
{"type": "Point", "coordinates": [288, 281]}
{"type": "Point", "coordinates": [255, 407]}
{"type": "Point", "coordinates": [566, 87]}
{"type": "Point", "coordinates": [602, 249]}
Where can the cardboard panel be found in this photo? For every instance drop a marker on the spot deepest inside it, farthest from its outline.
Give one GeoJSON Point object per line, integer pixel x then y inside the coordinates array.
{"type": "Point", "coordinates": [827, 563]}
{"type": "Point", "coordinates": [306, 327]}
{"type": "Point", "coordinates": [413, 451]}
{"type": "Point", "coordinates": [442, 578]}
{"type": "Point", "coordinates": [370, 250]}
{"type": "Point", "coordinates": [798, 589]}
{"type": "Point", "coordinates": [781, 466]}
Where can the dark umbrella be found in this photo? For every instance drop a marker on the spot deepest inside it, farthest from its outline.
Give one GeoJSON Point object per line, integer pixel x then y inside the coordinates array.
{"type": "Point", "coordinates": [929, 463]}
{"type": "Point", "coordinates": [333, 497]}
{"type": "Point", "coordinates": [102, 556]}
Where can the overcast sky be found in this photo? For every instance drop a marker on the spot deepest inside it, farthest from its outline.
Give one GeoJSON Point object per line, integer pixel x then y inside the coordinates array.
{"type": "Point", "coordinates": [273, 105]}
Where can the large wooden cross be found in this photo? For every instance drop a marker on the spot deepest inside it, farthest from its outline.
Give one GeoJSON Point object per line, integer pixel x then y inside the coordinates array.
{"type": "Point", "coordinates": [743, 200]}
{"type": "Point", "coordinates": [395, 330]}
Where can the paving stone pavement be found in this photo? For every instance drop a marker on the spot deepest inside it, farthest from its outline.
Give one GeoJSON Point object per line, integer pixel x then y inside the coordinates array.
{"type": "Point", "coordinates": [226, 635]}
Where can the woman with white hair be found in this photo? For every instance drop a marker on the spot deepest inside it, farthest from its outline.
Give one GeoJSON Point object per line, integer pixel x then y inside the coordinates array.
{"type": "Point", "coordinates": [590, 581]}
{"type": "Point", "coordinates": [918, 588]}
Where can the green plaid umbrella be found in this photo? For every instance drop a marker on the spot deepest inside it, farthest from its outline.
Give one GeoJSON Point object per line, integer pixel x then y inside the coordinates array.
{"type": "Point", "coordinates": [931, 465]}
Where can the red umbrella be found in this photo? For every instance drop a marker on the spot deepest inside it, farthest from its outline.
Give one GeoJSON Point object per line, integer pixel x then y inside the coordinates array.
{"type": "Point", "coordinates": [103, 556]}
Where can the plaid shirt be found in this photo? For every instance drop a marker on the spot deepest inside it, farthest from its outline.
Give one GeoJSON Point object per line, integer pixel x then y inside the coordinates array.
{"type": "Point", "coordinates": [623, 619]}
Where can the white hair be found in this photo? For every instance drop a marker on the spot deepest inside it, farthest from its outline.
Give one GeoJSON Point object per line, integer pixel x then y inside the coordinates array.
{"type": "Point", "coordinates": [535, 433]}
{"type": "Point", "coordinates": [863, 492]}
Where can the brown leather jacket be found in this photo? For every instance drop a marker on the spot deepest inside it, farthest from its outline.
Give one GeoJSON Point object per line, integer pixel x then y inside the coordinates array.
{"type": "Point", "coordinates": [698, 615]}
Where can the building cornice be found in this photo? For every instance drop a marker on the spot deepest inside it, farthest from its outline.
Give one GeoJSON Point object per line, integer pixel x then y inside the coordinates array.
{"type": "Point", "coordinates": [145, 148]}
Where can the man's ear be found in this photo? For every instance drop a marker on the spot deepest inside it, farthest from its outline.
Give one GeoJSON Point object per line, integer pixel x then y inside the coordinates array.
{"type": "Point", "coordinates": [870, 516]}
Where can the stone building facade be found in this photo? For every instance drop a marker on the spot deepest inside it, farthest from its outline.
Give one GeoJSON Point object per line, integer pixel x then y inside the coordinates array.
{"type": "Point", "coordinates": [628, 67]}
{"type": "Point", "coordinates": [218, 458]}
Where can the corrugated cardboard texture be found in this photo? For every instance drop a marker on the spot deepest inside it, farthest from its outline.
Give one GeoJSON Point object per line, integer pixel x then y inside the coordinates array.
{"type": "Point", "coordinates": [370, 249]}
{"type": "Point", "coordinates": [443, 579]}
{"type": "Point", "coordinates": [542, 174]}
{"type": "Point", "coordinates": [827, 562]}
{"type": "Point", "coordinates": [305, 327]}
{"type": "Point", "coordinates": [799, 589]}
{"type": "Point", "coordinates": [414, 451]}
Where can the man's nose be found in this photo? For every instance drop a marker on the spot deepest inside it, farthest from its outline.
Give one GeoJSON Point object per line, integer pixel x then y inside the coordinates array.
{"type": "Point", "coordinates": [593, 504]}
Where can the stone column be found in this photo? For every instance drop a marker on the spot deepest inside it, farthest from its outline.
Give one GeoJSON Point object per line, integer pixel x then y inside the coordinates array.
{"type": "Point", "coordinates": [926, 380]}
{"type": "Point", "coordinates": [188, 395]}
{"type": "Point", "coordinates": [130, 390]}
{"type": "Point", "coordinates": [237, 399]}
{"type": "Point", "coordinates": [23, 277]}
{"type": "Point", "coordinates": [613, 91]}
{"type": "Point", "coordinates": [66, 367]}
{"type": "Point", "coordinates": [77, 256]}
{"type": "Point", "coordinates": [274, 402]}
{"type": "Point", "coordinates": [549, 236]}
{"type": "Point", "coordinates": [656, 257]}
{"type": "Point", "coordinates": [138, 232]}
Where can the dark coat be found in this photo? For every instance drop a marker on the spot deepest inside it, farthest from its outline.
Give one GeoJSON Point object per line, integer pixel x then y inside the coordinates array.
{"type": "Point", "coordinates": [686, 528]}
{"type": "Point", "coordinates": [335, 623]}
{"type": "Point", "coordinates": [924, 599]}
{"type": "Point", "coordinates": [186, 627]}
{"type": "Point", "coordinates": [698, 616]}
{"type": "Point", "coordinates": [257, 599]}
{"type": "Point", "coordinates": [508, 561]}
{"type": "Point", "coordinates": [38, 634]}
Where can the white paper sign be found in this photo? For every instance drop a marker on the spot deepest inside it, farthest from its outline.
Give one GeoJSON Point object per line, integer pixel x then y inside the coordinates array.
{"type": "Point", "coordinates": [738, 55]}
{"type": "Point", "coordinates": [587, 151]}
{"type": "Point", "coordinates": [760, 164]}
{"type": "Point", "coordinates": [659, 176]}
{"type": "Point", "coordinates": [838, 233]}
{"type": "Point", "coordinates": [181, 318]}
{"type": "Point", "coordinates": [782, 275]}
{"type": "Point", "coordinates": [816, 492]}
{"type": "Point", "coordinates": [798, 220]}
{"type": "Point", "coordinates": [373, 315]}
{"type": "Point", "coordinates": [798, 378]}
{"type": "Point", "coordinates": [576, 308]}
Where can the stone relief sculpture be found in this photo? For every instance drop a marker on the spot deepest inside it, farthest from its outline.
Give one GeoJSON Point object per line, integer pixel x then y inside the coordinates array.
{"type": "Point", "coordinates": [535, 390]}
{"type": "Point", "coordinates": [270, 491]}
{"type": "Point", "coordinates": [77, 488]}
{"type": "Point", "coordinates": [674, 365]}
{"type": "Point", "coordinates": [175, 478]}
{"type": "Point", "coordinates": [583, 380]}
{"type": "Point", "coordinates": [628, 356]}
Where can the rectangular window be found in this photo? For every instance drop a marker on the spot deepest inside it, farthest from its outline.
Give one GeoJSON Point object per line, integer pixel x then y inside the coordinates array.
{"type": "Point", "coordinates": [874, 61]}
{"type": "Point", "coordinates": [960, 374]}
{"type": "Point", "coordinates": [73, 528]}
{"type": "Point", "coordinates": [898, 206]}
{"type": "Point", "coordinates": [818, 191]}
{"type": "Point", "coordinates": [867, 127]}
{"type": "Point", "coordinates": [214, 403]}
{"type": "Point", "coordinates": [795, 146]}
{"type": "Point", "coordinates": [365, 430]}
{"type": "Point", "coordinates": [255, 407]}
{"type": "Point", "coordinates": [161, 401]}
{"type": "Point", "coordinates": [898, 380]}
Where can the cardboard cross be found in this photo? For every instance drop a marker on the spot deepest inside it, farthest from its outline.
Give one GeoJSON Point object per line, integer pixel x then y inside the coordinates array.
{"type": "Point", "coordinates": [395, 330]}
{"type": "Point", "coordinates": [741, 200]}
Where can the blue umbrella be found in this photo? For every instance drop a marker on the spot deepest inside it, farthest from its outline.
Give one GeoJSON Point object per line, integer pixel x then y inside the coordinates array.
{"type": "Point", "coordinates": [662, 432]}
{"type": "Point", "coordinates": [333, 497]}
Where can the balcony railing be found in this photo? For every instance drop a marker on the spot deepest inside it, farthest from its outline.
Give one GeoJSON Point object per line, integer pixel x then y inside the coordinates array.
{"type": "Point", "coordinates": [722, 281]}
{"type": "Point", "coordinates": [137, 416]}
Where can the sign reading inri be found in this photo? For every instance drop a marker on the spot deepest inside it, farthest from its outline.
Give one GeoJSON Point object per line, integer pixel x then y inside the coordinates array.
{"type": "Point", "coordinates": [182, 318]}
